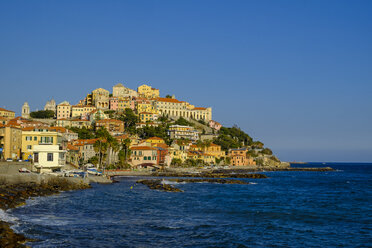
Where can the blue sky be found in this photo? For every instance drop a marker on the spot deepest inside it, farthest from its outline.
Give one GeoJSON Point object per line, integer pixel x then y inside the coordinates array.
{"type": "Point", "coordinates": [296, 75]}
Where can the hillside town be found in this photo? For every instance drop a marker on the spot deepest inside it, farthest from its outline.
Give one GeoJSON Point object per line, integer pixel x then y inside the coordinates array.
{"type": "Point", "coordinates": [125, 129]}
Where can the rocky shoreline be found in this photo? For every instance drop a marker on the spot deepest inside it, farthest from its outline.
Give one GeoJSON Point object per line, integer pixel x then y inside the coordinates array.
{"type": "Point", "coordinates": [14, 195]}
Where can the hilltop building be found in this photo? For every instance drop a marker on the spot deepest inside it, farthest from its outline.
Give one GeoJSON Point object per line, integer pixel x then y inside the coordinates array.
{"type": "Point", "coordinates": [50, 105]}
{"type": "Point", "coordinates": [120, 90]}
{"type": "Point", "coordinates": [100, 98]}
{"type": "Point", "coordinates": [25, 111]}
{"type": "Point", "coordinates": [147, 91]}
{"type": "Point", "coordinates": [63, 110]}
{"type": "Point", "coordinates": [175, 108]}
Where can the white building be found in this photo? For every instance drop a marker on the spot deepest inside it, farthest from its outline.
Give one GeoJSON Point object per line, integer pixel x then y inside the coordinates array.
{"type": "Point", "coordinates": [183, 132]}
{"type": "Point", "coordinates": [48, 158]}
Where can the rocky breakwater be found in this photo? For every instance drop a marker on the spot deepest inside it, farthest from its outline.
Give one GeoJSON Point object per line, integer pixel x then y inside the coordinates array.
{"type": "Point", "coordinates": [211, 174]}
{"type": "Point", "coordinates": [14, 195]}
{"type": "Point", "coordinates": [160, 184]}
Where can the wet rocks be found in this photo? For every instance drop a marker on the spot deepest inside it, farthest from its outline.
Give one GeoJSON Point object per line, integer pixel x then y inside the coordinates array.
{"type": "Point", "coordinates": [208, 180]}
{"type": "Point", "coordinates": [157, 184]}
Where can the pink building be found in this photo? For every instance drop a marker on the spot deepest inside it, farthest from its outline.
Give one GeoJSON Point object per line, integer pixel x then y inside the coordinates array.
{"type": "Point", "coordinates": [215, 125]}
{"type": "Point", "coordinates": [114, 103]}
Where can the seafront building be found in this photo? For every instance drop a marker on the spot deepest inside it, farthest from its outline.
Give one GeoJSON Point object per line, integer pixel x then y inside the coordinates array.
{"type": "Point", "coordinates": [48, 158]}
{"type": "Point", "coordinates": [239, 157]}
{"type": "Point", "coordinates": [33, 136]}
{"type": "Point", "coordinates": [10, 142]}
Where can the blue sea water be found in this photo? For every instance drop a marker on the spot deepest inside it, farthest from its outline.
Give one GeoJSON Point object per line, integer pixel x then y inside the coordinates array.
{"type": "Point", "coordinates": [289, 209]}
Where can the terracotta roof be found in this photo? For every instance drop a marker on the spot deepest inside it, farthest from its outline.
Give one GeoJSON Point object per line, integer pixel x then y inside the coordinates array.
{"type": "Point", "coordinates": [162, 145]}
{"type": "Point", "coordinates": [3, 109]}
{"type": "Point", "coordinates": [58, 129]}
{"type": "Point", "coordinates": [72, 147]}
{"type": "Point", "coordinates": [81, 142]}
{"type": "Point", "coordinates": [142, 148]}
{"type": "Point", "coordinates": [109, 120]}
{"type": "Point", "coordinates": [155, 138]}
{"type": "Point", "coordinates": [161, 99]}
{"type": "Point", "coordinates": [199, 108]}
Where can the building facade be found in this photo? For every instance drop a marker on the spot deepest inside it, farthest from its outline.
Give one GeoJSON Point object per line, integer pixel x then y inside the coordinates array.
{"type": "Point", "coordinates": [183, 132]}
{"type": "Point", "coordinates": [10, 142]}
{"type": "Point", "coordinates": [120, 90]}
{"type": "Point", "coordinates": [63, 110]}
{"type": "Point", "coordinates": [7, 113]}
{"type": "Point", "coordinates": [48, 158]}
{"type": "Point", "coordinates": [25, 111]}
{"type": "Point", "coordinates": [147, 91]}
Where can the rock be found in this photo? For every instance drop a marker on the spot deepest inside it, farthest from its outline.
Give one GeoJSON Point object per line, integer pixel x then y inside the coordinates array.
{"type": "Point", "coordinates": [158, 185]}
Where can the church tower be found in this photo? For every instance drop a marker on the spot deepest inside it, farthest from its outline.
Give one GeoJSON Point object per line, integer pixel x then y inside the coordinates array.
{"type": "Point", "coordinates": [25, 111]}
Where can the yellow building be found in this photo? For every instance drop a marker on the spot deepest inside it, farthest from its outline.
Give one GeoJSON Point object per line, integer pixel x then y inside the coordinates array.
{"type": "Point", "coordinates": [206, 158]}
{"type": "Point", "coordinates": [147, 91]}
{"type": "Point", "coordinates": [100, 98]}
{"type": "Point", "coordinates": [32, 137]}
{"type": "Point", "coordinates": [81, 110]}
{"type": "Point", "coordinates": [7, 113]}
{"type": "Point", "coordinates": [146, 117]}
{"type": "Point", "coordinates": [10, 142]}
{"type": "Point", "coordinates": [155, 141]}
{"type": "Point", "coordinates": [214, 150]}
{"type": "Point", "coordinates": [124, 103]}
{"type": "Point", "coordinates": [175, 108]}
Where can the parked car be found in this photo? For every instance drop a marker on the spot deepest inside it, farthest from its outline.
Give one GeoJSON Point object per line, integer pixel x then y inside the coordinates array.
{"type": "Point", "coordinates": [24, 170]}
{"type": "Point", "coordinates": [9, 160]}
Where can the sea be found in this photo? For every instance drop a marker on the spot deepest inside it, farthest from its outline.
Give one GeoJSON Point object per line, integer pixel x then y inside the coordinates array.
{"type": "Point", "coordinates": [288, 209]}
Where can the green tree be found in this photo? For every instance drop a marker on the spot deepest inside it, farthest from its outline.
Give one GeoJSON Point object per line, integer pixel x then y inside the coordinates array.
{"type": "Point", "coordinates": [42, 114]}
{"type": "Point", "coordinates": [168, 96]}
{"type": "Point", "coordinates": [130, 119]}
{"type": "Point", "coordinates": [83, 133]}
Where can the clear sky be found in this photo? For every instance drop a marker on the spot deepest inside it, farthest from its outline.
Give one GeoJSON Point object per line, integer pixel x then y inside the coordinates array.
{"type": "Point", "coordinates": [296, 75]}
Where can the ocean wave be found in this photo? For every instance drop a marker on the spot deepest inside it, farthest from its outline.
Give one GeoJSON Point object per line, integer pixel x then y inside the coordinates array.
{"type": "Point", "coordinates": [171, 182]}
{"type": "Point", "coordinates": [5, 216]}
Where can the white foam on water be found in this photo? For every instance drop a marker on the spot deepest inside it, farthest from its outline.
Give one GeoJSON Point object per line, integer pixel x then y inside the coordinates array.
{"type": "Point", "coordinates": [5, 216]}
{"type": "Point", "coordinates": [170, 182]}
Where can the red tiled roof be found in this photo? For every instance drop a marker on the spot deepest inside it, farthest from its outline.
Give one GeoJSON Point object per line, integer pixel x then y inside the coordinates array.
{"type": "Point", "coordinates": [72, 147]}
{"type": "Point", "coordinates": [161, 99]}
{"type": "Point", "coordinates": [109, 120]}
{"type": "Point", "coordinates": [142, 148]}
{"type": "Point", "coordinates": [3, 109]}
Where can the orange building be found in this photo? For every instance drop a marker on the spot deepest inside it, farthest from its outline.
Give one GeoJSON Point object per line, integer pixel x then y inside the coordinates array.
{"type": "Point", "coordinates": [239, 157]}
{"type": "Point", "coordinates": [112, 125]}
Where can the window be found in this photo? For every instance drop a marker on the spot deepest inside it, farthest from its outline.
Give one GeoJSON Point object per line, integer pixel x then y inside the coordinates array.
{"type": "Point", "coordinates": [29, 147]}
{"type": "Point", "coordinates": [36, 157]}
{"type": "Point", "coordinates": [35, 138]}
{"type": "Point", "coordinates": [50, 157]}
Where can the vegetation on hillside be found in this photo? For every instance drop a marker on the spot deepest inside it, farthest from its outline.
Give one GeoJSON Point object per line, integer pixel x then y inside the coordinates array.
{"type": "Point", "coordinates": [42, 114]}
